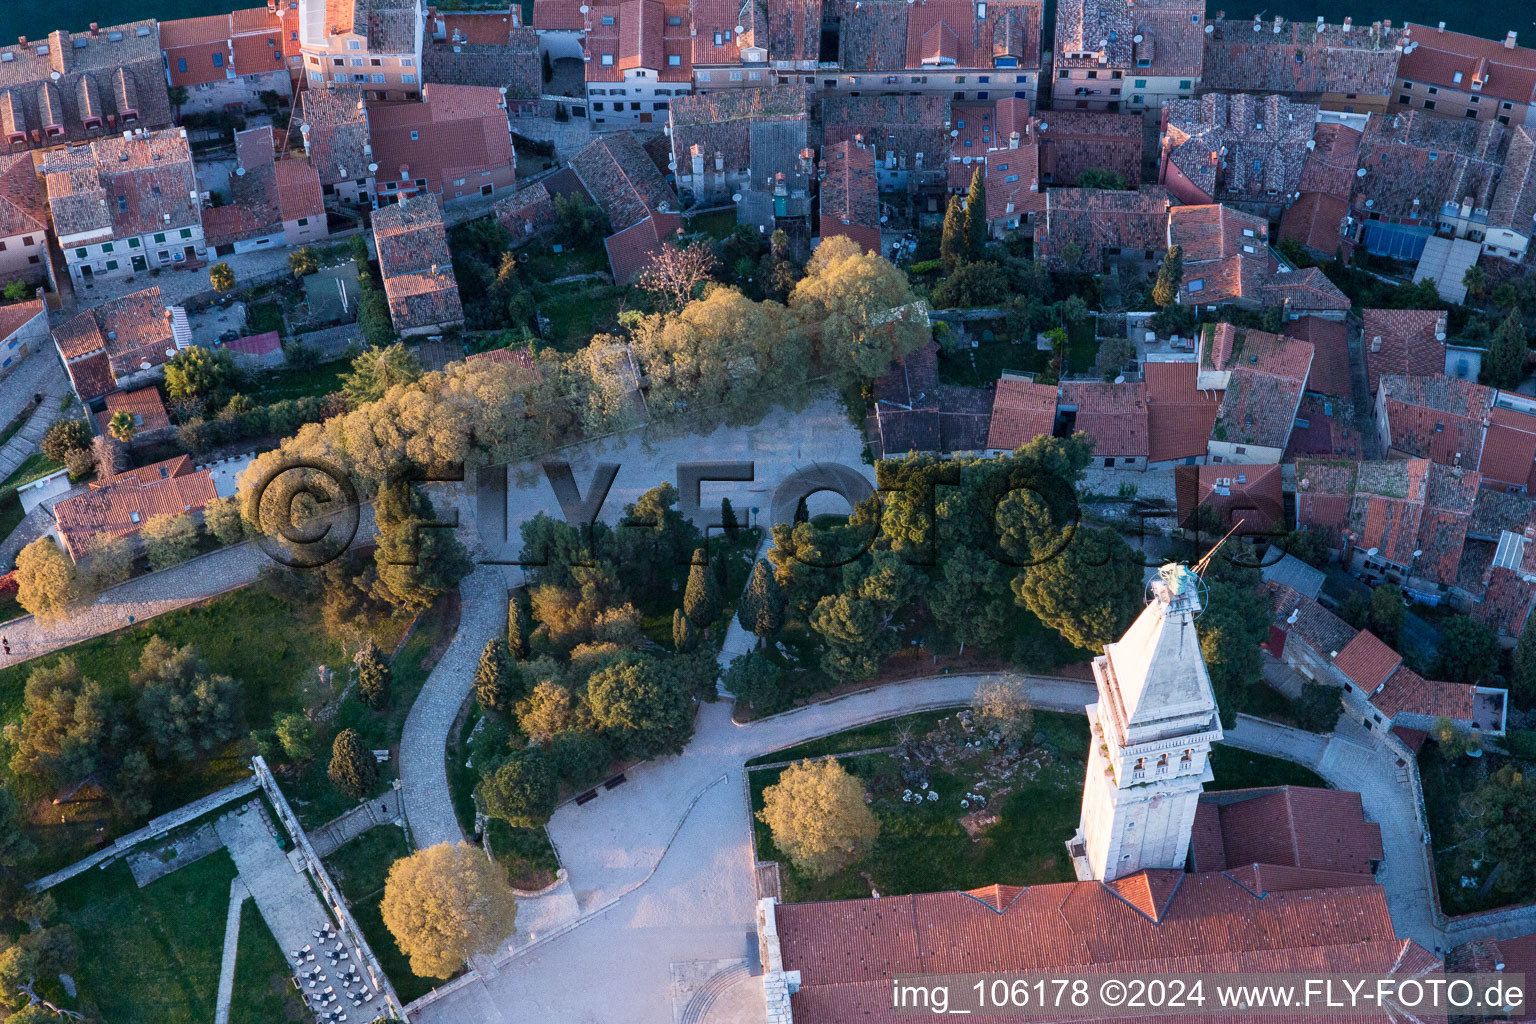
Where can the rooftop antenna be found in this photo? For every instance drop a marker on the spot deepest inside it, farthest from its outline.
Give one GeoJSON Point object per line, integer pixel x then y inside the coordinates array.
{"type": "Point", "coordinates": [1205, 563]}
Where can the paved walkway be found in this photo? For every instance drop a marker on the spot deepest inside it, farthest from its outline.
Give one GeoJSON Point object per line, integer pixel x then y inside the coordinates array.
{"type": "Point", "coordinates": [381, 810]}
{"type": "Point", "coordinates": [237, 897]}
{"type": "Point", "coordinates": [138, 599]}
{"type": "Point", "coordinates": [54, 384]}
{"type": "Point", "coordinates": [40, 371]}
{"type": "Point", "coordinates": [423, 771]}
{"type": "Point", "coordinates": [291, 907]}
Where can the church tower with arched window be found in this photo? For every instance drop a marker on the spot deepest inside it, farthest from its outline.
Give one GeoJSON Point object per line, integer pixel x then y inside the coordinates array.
{"type": "Point", "coordinates": [1151, 735]}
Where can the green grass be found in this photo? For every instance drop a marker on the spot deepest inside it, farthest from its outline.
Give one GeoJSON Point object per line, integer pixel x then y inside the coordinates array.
{"type": "Point", "coordinates": [317, 381]}
{"type": "Point", "coordinates": [261, 317]}
{"type": "Point", "coordinates": [397, 967]}
{"type": "Point", "coordinates": [264, 992]}
{"type": "Point", "coordinates": [983, 365]}
{"type": "Point", "coordinates": [11, 513]}
{"type": "Point", "coordinates": [1239, 769]}
{"type": "Point", "coordinates": [150, 955]}
{"type": "Point", "coordinates": [719, 224]}
{"type": "Point", "coordinates": [864, 737]}
{"type": "Point", "coordinates": [362, 864]}
{"type": "Point", "coordinates": [1082, 347]}
{"type": "Point", "coordinates": [579, 310]}
{"type": "Point", "coordinates": [526, 853]}
{"type": "Point", "coordinates": [544, 264]}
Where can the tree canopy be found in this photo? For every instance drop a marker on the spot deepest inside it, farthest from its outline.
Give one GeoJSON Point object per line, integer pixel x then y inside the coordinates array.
{"type": "Point", "coordinates": [818, 817]}
{"type": "Point", "coordinates": [445, 904]}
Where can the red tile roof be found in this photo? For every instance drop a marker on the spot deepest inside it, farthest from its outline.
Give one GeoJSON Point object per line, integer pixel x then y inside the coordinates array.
{"type": "Point", "coordinates": [1114, 416]}
{"type": "Point", "coordinates": [1330, 353]}
{"type": "Point", "coordinates": [850, 204]}
{"type": "Point", "coordinates": [21, 197]}
{"type": "Point", "coordinates": [1301, 618]}
{"type": "Point", "coordinates": [639, 34]}
{"type": "Point", "coordinates": [256, 344]}
{"type": "Point", "coordinates": [1148, 891]}
{"type": "Point", "coordinates": [1225, 250]}
{"type": "Point", "coordinates": [121, 506]}
{"type": "Point", "coordinates": [1324, 491]}
{"type": "Point", "coordinates": [132, 330]}
{"type": "Point", "coordinates": [1251, 495]}
{"type": "Point", "coordinates": [17, 315]}
{"type": "Point", "coordinates": [1316, 220]}
{"type": "Point", "coordinates": [143, 405]}
{"type": "Point", "coordinates": [630, 251]}
{"type": "Point", "coordinates": [1407, 343]}
{"type": "Point", "coordinates": [299, 193]}
{"type": "Point", "coordinates": [1506, 603]}
{"type": "Point", "coordinates": [1406, 690]}
{"type": "Point", "coordinates": [415, 264]}
{"type": "Point", "coordinates": [1439, 58]}
{"type": "Point", "coordinates": [91, 377]}
{"type": "Point", "coordinates": [558, 15]}
{"type": "Point", "coordinates": [1367, 661]}
{"type": "Point", "coordinates": [1021, 411]}
{"type": "Point", "coordinates": [1073, 141]}
{"type": "Point", "coordinates": [1509, 448]}
{"type": "Point", "coordinates": [1297, 827]}
{"type": "Point", "coordinates": [846, 951]}
{"type": "Point", "coordinates": [456, 131]}
{"type": "Point", "coordinates": [1013, 182]}
{"type": "Point", "coordinates": [1302, 291]}
{"type": "Point", "coordinates": [1179, 415]}
{"type": "Point", "coordinates": [1437, 417]}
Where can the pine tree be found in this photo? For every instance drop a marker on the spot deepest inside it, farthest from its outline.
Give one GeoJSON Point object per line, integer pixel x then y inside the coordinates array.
{"type": "Point", "coordinates": [701, 599]}
{"type": "Point", "coordinates": [976, 217]}
{"type": "Point", "coordinates": [684, 635]}
{"type": "Point", "coordinates": [1505, 365]}
{"type": "Point", "coordinates": [762, 606]}
{"type": "Point", "coordinates": [728, 521]}
{"type": "Point", "coordinates": [373, 676]}
{"type": "Point", "coordinates": [519, 625]}
{"type": "Point", "coordinates": [493, 687]}
{"type": "Point", "coordinates": [952, 239]}
{"type": "Point", "coordinates": [353, 770]}
{"type": "Point", "coordinates": [1165, 292]}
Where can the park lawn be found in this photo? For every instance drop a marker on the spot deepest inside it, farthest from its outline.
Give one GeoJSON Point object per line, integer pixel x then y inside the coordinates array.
{"type": "Point", "coordinates": [150, 955]}
{"type": "Point", "coordinates": [864, 737]}
{"type": "Point", "coordinates": [362, 864]}
{"type": "Point", "coordinates": [1240, 769]}
{"type": "Point", "coordinates": [264, 992]}
{"type": "Point", "coordinates": [397, 966]}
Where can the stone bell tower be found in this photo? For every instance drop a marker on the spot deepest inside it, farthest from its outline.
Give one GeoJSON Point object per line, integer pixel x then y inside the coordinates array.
{"type": "Point", "coordinates": [1150, 738]}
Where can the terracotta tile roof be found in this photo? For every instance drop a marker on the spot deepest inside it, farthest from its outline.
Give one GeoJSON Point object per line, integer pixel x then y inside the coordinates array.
{"type": "Point", "coordinates": [1021, 411]}
{"type": "Point", "coordinates": [558, 16]}
{"type": "Point", "coordinates": [484, 49]}
{"type": "Point", "coordinates": [116, 75]}
{"type": "Point", "coordinates": [793, 29]}
{"type": "Point", "coordinates": [1148, 891]}
{"type": "Point", "coordinates": [21, 198]}
{"type": "Point", "coordinates": [1268, 375]}
{"type": "Point", "coordinates": [850, 202]}
{"type": "Point", "coordinates": [1366, 661]}
{"type": "Point", "coordinates": [847, 950]}
{"type": "Point", "coordinates": [1316, 221]}
{"type": "Point", "coordinates": [1320, 629]}
{"type": "Point", "coordinates": [338, 132]}
{"type": "Point", "coordinates": [715, 40]}
{"type": "Point", "coordinates": [1226, 252]}
{"type": "Point", "coordinates": [120, 507]}
{"type": "Point", "coordinates": [621, 178]}
{"type": "Point", "coordinates": [1514, 202]}
{"type": "Point", "coordinates": [1095, 219]}
{"type": "Point", "coordinates": [1408, 343]}
{"type": "Point", "coordinates": [1307, 289]}
{"type": "Point", "coordinates": [299, 193]}
{"type": "Point", "coordinates": [1239, 146]}
{"type": "Point", "coordinates": [1516, 955]}
{"type": "Point", "coordinates": [1322, 431]}
{"type": "Point", "coordinates": [1249, 496]}
{"type": "Point", "coordinates": [717, 125]}
{"type": "Point", "coordinates": [974, 134]}
{"type": "Point", "coordinates": [256, 344]}
{"type": "Point", "coordinates": [948, 33]}
{"type": "Point", "coordinates": [631, 250]}
{"type": "Point", "coordinates": [143, 405]}
{"type": "Point", "coordinates": [526, 211]}
{"type": "Point", "coordinates": [132, 331]}
{"type": "Point", "coordinates": [1506, 603]}
{"type": "Point", "coordinates": [1324, 490]}
{"type": "Point", "coordinates": [390, 25]}
{"type": "Point", "coordinates": [1330, 353]}
{"type": "Point", "coordinates": [415, 263]}
{"type": "Point", "coordinates": [1406, 690]}
{"type": "Point", "coordinates": [16, 315]}
{"type": "Point", "coordinates": [900, 125]}
{"type": "Point", "coordinates": [1114, 416]}
{"type": "Point", "coordinates": [456, 131]}
{"type": "Point", "coordinates": [1506, 73]}
{"type": "Point", "coordinates": [1331, 163]}
{"type": "Point", "coordinates": [1388, 506]}
{"type": "Point", "coordinates": [965, 418]}
{"type": "Point", "coordinates": [1073, 141]}
{"type": "Point", "coordinates": [639, 34]}
{"type": "Point", "coordinates": [1416, 161]}
{"type": "Point", "coordinates": [872, 36]}
{"type": "Point", "coordinates": [1298, 827]}
{"type": "Point", "coordinates": [1509, 449]}
{"type": "Point", "coordinates": [1437, 417]}
{"type": "Point", "coordinates": [1013, 182]}
{"type": "Point", "coordinates": [1179, 414]}
{"type": "Point", "coordinates": [1171, 33]}
{"type": "Point", "coordinates": [91, 376]}
{"type": "Point", "coordinates": [137, 186]}
{"type": "Point", "coordinates": [1299, 59]}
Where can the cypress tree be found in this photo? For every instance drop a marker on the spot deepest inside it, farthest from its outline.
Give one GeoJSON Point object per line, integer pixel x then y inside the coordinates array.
{"type": "Point", "coordinates": [701, 599]}
{"type": "Point", "coordinates": [684, 636]}
{"type": "Point", "coordinates": [728, 520]}
{"type": "Point", "coordinates": [976, 217]}
{"type": "Point", "coordinates": [952, 239]}
{"type": "Point", "coordinates": [353, 770]}
{"type": "Point", "coordinates": [1505, 365]}
{"type": "Point", "coordinates": [762, 606]}
{"type": "Point", "coordinates": [1165, 291]}
{"type": "Point", "coordinates": [374, 676]}
{"type": "Point", "coordinates": [519, 625]}
{"type": "Point", "coordinates": [492, 677]}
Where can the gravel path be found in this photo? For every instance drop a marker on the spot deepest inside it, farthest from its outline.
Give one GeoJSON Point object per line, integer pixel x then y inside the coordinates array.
{"type": "Point", "coordinates": [137, 600]}
{"type": "Point", "coordinates": [424, 741]}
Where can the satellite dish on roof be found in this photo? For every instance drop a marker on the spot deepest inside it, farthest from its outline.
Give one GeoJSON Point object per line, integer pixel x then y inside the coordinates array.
{"type": "Point", "coordinates": [584, 8]}
{"type": "Point", "coordinates": [954, 133]}
{"type": "Point", "coordinates": [739, 30]}
{"type": "Point", "coordinates": [736, 197]}
{"type": "Point", "coordinates": [1210, 30]}
{"type": "Point", "coordinates": [372, 168]}
{"type": "Point", "coordinates": [1371, 552]}
{"type": "Point", "coordinates": [240, 171]}
{"type": "Point", "coordinates": [1136, 38]}
{"type": "Point", "coordinates": [1360, 173]}
{"type": "Point", "coordinates": [1417, 553]}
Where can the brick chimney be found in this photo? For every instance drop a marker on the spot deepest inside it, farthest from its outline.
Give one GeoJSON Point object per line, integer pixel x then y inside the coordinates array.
{"type": "Point", "coordinates": [1509, 40]}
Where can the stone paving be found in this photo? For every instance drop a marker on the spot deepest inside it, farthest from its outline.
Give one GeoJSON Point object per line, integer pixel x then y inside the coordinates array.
{"type": "Point", "coordinates": [292, 909]}
{"type": "Point", "coordinates": [54, 385]}
{"type": "Point", "coordinates": [237, 897]}
{"type": "Point", "coordinates": [177, 286]}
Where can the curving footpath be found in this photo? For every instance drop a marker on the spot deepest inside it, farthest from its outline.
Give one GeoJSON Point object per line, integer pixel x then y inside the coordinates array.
{"type": "Point", "coordinates": [424, 794]}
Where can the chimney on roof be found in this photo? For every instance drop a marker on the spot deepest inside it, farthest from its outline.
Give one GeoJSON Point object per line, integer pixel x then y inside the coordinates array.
{"type": "Point", "coordinates": [95, 29]}
{"type": "Point", "coordinates": [1509, 40]}
{"type": "Point", "coordinates": [1442, 26]}
{"type": "Point", "coordinates": [1349, 23]}
{"type": "Point", "coordinates": [1013, 140]}
{"type": "Point", "coordinates": [22, 40]}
